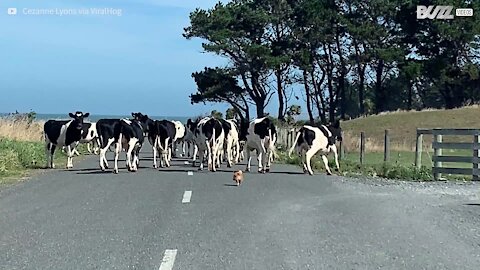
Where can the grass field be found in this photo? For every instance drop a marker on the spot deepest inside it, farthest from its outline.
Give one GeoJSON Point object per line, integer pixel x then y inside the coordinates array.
{"type": "Point", "coordinates": [402, 127]}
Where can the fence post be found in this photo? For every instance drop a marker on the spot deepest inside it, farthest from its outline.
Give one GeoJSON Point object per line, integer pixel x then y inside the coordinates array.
{"type": "Point", "coordinates": [386, 149]}
{"type": "Point", "coordinates": [418, 150]}
{"type": "Point", "coordinates": [475, 168]}
{"type": "Point", "coordinates": [362, 147]}
{"type": "Point", "coordinates": [341, 155]}
{"type": "Point", "coordinates": [437, 152]}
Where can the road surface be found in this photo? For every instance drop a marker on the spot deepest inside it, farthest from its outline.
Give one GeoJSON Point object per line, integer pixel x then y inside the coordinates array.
{"type": "Point", "coordinates": [168, 219]}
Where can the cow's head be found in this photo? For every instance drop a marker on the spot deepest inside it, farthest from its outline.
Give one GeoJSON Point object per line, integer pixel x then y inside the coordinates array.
{"type": "Point", "coordinates": [336, 130]}
{"type": "Point", "coordinates": [243, 130]}
{"type": "Point", "coordinates": [78, 119]}
{"type": "Point", "coordinates": [193, 125]}
{"type": "Point", "coordinates": [143, 119]}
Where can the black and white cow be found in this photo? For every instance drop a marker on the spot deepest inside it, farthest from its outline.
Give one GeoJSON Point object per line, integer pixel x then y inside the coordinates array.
{"type": "Point", "coordinates": [231, 146]}
{"type": "Point", "coordinates": [89, 136]}
{"type": "Point", "coordinates": [312, 139]}
{"type": "Point", "coordinates": [179, 136]}
{"type": "Point", "coordinates": [260, 135]}
{"type": "Point", "coordinates": [189, 148]}
{"type": "Point", "coordinates": [209, 137]}
{"type": "Point", "coordinates": [125, 134]}
{"type": "Point", "coordinates": [161, 136]}
{"type": "Point", "coordinates": [60, 133]}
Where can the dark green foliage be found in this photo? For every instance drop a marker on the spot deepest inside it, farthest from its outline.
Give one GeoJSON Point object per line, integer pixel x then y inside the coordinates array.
{"type": "Point", "coordinates": [347, 57]}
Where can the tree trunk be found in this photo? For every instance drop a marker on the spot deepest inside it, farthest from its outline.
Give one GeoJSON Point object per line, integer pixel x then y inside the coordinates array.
{"type": "Point", "coordinates": [281, 98]}
{"type": "Point", "coordinates": [309, 98]}
{"type": "Point", "coordinates": [380, 97]}
{"type": "Point", "coordinates": [341, 79]}
{"type": "Point", "coordinates": [259, 105]}
{"type": "Point", "coordinates": [331, 91]}
{"type": "Point", "coordinates": [410, 95]}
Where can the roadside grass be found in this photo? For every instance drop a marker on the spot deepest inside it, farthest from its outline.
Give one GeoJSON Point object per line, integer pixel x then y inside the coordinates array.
{"type": "Point", "coordinates": [401, 166]}
{"type": "Point", "coordinates": [22, 149]}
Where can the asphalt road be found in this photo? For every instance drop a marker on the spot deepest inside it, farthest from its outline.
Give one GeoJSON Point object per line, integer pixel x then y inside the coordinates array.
{"type": "Point", "coordinates": [86, 219]}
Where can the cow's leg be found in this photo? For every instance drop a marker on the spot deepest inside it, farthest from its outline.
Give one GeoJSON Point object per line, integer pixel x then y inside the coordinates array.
{"type": "Point", "coordinates": [249, 159]}
{"type": "Point", "coordinates": [237, 152]}
{"type": "Point", "coordinates": [75, 151]}
{"type": "Point", "coordinates": [118, 149]}
{"type": "Point", "coordinates": [89, 147]}
{"type": "Point", "coordinates": [229, 153]}
{"type": "Point", "coordinates": [325, 162]}
{"type": "Point", "coordinates": [50, 151]}
{"type": "Point", "coordinates": [103, 152]}
{"type": "Point", "coordinates": [209, 155]}
{"type": "Point", "coordinates": [47, 154]}
{"type": "Point", "coordinates": [308, 158]}
{"type": "Point", "coordinates": [96, 146]}
{"type": "Point", "coordinates": [131, 146]}
{"type": "Point", "coordinates": [260, 158]}
{"type": "Point", "coordinates": [168, 152]}
{"type": "Point", "coordinates": [303, 159]}
{"type": "Point", "coordinates": [70, 153]}
{"type": "Point", "coordinates": [194, 158]}
{"type": "Point", "coordinates": [335, 154]}
{"type": "Point", "coordinates": [155, 153]}
{"type": "Point", "coordinates": [201, 157]}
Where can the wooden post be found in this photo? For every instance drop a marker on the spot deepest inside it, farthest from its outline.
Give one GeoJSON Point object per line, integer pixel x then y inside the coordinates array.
{"type": "Point", "coordinates": [386, 149]}
{"type": "Point", "coordinates": [437, 153]}
{"type": "Point", "coordinates": [418, 150]}
{"type": "Point", "coordinates": [341, 154]}
{"type": "Point", "coordinates": [362, 147]}
{"type": "Point", "coordinates": [475, 168]}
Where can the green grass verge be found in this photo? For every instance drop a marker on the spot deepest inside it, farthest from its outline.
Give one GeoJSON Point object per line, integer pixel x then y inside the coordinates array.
{"type": "Point", "coordinates": [401, 166]}
{"type": "Point", "coordinates": [18, 158]}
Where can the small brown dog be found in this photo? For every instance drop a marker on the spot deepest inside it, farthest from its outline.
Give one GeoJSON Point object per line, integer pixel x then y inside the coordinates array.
{"type": "Point", "coordinates": [238, 177]}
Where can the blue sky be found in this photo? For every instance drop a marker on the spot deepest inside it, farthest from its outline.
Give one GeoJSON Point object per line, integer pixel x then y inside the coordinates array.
{"type": "Point", "coordinates": [102, 64]}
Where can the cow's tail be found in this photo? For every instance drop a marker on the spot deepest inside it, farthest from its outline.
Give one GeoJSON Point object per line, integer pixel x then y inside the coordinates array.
{"type": "Point", "coordinates": [299, 133]}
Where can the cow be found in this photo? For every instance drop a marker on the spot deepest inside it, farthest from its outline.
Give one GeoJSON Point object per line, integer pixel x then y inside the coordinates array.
{"type": "Point", "coordinates": [161, 136]}
{"type": "Point", "coordinates": [178, 138]}
{"type": "Point", "coordinates": [231, 146]}
{"type": "Point", "coordinates": [125, 134]}
{"type": "Point", "coordinates": [260, 135]}
{"type": "Point", "coordinates": [209, 136]}
{"type": "Point", "coordinates": [60, 133]}
{"type": "Point", "coordinates": [312, 139]}
{"type": "Point", "coordinates": [89, 136]}
{"type": "Point", "coordinates": [189, 147]}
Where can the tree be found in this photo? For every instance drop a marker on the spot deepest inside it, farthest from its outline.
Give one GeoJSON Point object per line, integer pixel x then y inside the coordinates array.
{"type": "Point", "coordinates": [216, 114]}
{"type": "Point", "coordinates": [220, 85]}
{"type": "Point", "coordinates": [236, 31]}
{"type": "Point", "coordinates": [232, 113]}
{"type": "Point", "coordinates": [292, 112]}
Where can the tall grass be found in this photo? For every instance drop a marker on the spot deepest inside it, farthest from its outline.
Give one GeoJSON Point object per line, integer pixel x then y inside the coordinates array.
{"type": "Point", "coordinates": [21, 130]}
{"type": "Point", "coordinates": [21, 146]}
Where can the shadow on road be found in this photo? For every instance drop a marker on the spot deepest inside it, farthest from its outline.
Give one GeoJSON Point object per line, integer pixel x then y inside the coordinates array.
{"type": "Point", "coordinates": [230, 185]}
{"type": "Point", "coordinates": [472, 204]}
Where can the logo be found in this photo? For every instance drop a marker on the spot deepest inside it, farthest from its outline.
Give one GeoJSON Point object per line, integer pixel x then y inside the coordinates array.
{"type": "Point", "coordinates": [435, 12]}
{"type": "Point", "coordinates": [12, 11]}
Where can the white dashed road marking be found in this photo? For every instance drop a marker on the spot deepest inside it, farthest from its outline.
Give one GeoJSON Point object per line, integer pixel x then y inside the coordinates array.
{"type": "Point", "coordinates": [186, 196]}
{"type": "Point", "coordinates": [190, 173]}
{"type": "Point", "coordinates": [168, 259]}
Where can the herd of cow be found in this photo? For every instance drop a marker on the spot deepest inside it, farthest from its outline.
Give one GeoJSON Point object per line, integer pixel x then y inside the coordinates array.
{"type": "Point", "coordinates": [212, 140]}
